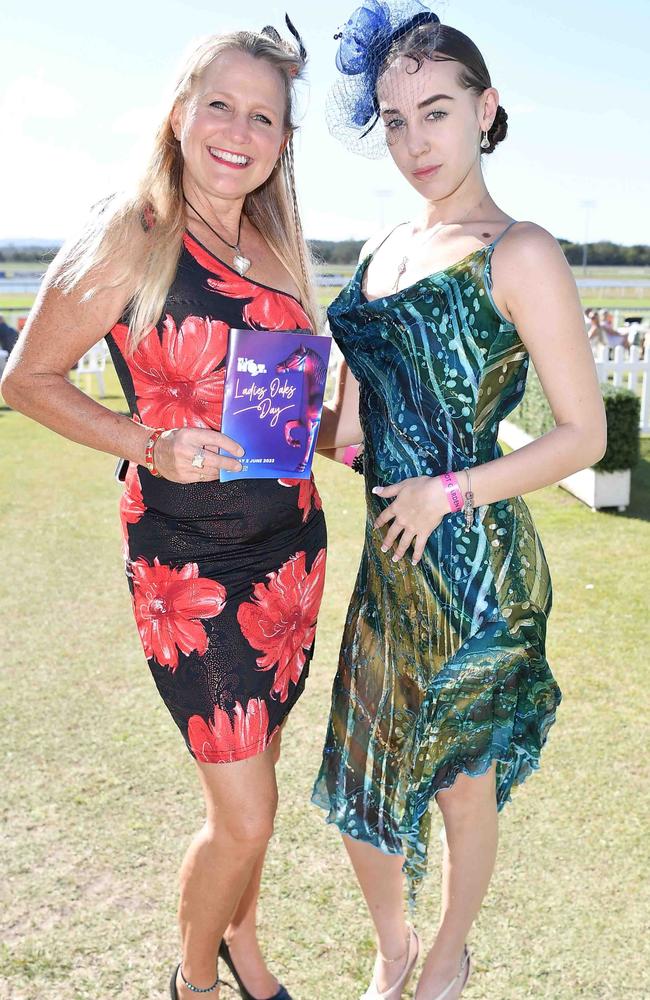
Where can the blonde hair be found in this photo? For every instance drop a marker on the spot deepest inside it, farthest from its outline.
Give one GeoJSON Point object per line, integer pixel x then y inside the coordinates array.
{"type": "Point", "coordinates": [156, 204]}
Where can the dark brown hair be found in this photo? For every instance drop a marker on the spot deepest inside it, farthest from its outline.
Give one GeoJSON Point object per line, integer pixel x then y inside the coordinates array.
{"type": "Point", "coordinates": [442, 43]}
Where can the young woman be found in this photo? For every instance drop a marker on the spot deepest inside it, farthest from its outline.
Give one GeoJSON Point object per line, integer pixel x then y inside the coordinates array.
{"type": "Point", "coordinates": [226, 578]}
{"type": "Point", "coordinates": [443, 693]}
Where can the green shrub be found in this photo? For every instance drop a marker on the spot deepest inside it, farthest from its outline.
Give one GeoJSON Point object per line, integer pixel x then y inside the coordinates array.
{"type": "Point", "coordinates": [622, 409]}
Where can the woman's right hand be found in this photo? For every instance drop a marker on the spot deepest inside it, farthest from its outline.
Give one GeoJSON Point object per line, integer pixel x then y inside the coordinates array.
{"type": "Point", "coordinates": [175, 449]}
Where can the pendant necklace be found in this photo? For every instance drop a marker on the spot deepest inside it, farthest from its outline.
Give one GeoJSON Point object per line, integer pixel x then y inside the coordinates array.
{"type": "Point", "coordinates": [240, 262]}
{"type": "Point", "coordinates": [403, 264]}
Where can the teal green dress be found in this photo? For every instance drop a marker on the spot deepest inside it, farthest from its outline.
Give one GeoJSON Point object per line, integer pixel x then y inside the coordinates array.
{"type": "Point", "coordinates": [442, 666]}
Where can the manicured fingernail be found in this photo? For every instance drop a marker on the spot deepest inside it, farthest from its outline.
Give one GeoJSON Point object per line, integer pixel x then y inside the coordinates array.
{"type": "Point", "coordinates": [395, 558]}
{"type": "Point", "coordinates": [240, 452]}
{"type": "Point", "coordinates": [384, 548]}
{"type": "Point", "coordinates": [377, 489]}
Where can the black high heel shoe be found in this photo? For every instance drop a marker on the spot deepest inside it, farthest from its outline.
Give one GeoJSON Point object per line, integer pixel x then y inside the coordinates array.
{"type": "Point", "coordinates": [224, 953]}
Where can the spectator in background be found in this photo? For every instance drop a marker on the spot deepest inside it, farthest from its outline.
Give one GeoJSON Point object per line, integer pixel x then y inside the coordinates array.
{"type": "Point", "coordinates": [8, 336]}
{"type": "Point", "coordinates": [595, 331]}
{"type": "Point", "coordinates": [614, 338]}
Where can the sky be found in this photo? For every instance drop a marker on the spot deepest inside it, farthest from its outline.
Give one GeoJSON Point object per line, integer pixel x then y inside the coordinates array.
{"type": "Point", "coordinates": [82, 87]}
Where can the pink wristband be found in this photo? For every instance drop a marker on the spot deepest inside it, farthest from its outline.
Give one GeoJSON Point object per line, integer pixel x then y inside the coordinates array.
{"type": "Point", "coordinates": [350, 454]}
{"type": "Point", "coordinates": [453, 491]}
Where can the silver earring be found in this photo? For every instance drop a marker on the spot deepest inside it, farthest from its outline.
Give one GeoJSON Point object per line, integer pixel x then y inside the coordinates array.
{"type": "Point", "coordinates": [485, 142]}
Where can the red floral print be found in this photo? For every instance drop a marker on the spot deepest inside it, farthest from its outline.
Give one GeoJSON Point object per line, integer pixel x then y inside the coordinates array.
{"type": "Point", "coordinates": [131, 503]}
{"type": "Point", "coordinates": [219, 741]}
{"type": "Point", "coordinates": [308, 495]}
{"type": "Point", "coordinates": [267, 310]}
{"type": "Point", "coordinates": [281, 619]}
{"type": "Point", "coordinates": [169, 604]}
{"type": "Point", "coordinates": [175, 376]}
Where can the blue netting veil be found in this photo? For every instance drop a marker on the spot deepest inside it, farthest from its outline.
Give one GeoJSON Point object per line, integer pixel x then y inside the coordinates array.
{"type": "Point", "coordinates": [365, 40]}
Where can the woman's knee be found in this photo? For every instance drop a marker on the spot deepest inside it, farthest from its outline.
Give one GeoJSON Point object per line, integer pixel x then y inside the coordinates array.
{"type": "Point", "coordinates": [248, 828]}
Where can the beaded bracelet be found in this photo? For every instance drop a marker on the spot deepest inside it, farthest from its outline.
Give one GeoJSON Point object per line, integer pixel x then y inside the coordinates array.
{"type": "Point", "coordinates": [453, 491]}
{"type": "Point", "coordinates": [468, 505]}
{"type": "Point", "coordinates": [148, 451]}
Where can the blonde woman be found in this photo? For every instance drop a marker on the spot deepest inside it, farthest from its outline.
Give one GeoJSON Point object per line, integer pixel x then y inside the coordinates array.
{"type": "Point", "coordinates": [226, 578]}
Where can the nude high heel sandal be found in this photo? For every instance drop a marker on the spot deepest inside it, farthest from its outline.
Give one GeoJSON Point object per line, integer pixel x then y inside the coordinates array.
{"type": "Point", "coordinates": [464, 971]}
{"type": "Point", "coordinates": [395, 991]}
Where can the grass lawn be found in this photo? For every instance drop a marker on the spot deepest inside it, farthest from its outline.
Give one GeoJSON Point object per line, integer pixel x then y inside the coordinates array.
{"type": "Point", "coordinates": [100, 796]}
{"type": "Point", "coordinates": [17, 301]}
{"type": "Point", "coordinates": [609, 295]}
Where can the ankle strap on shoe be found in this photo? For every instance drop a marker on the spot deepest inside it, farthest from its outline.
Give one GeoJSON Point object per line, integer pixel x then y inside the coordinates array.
{"type": "Point", "coordinates": [199, 989]}
{"type": "Point", "coordinates": [400, 958]}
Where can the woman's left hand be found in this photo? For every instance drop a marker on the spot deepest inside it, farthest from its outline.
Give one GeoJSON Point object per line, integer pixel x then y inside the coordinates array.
{"type": "Point", "coordinates": [419, 506]}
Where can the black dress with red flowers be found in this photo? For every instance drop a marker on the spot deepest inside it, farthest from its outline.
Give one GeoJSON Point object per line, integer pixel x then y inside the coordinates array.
{"type": "Point", "coordinates": [226, 578]}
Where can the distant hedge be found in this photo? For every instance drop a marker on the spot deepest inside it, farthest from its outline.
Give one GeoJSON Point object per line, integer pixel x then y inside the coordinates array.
{"type": "Point", "coordinates": [607, 254]}
{"type": "Point", "coordinates": [603, 253]}
{"type": "Point", "coordinates": [336, 251]}
{"type": "Point", "coordinates": [622, 409]}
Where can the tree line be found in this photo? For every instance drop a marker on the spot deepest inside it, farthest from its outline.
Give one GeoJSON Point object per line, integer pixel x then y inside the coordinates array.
{"type": "Point", "coordinates": [603, 253]}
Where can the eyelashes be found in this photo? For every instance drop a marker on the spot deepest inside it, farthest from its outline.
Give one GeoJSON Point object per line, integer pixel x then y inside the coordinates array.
{"type": "Point", "coordinates": [222, 106]}
{"type": "Point", "coordinates": [394, 124]}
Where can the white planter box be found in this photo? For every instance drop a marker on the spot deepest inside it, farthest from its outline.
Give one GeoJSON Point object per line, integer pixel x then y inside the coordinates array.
{"type": "Point", "coordinates": [595, 488]}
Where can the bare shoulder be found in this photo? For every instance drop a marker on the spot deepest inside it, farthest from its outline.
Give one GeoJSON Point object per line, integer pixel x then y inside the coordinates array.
{"type": "Point", "coordinates": [130, 242]}
{"type": "Point", "coordinates": [529, 270]}
{"type": "Point", "coordinates": [84, 293]}
{"type": "Point", "coordinates": [529, 246]}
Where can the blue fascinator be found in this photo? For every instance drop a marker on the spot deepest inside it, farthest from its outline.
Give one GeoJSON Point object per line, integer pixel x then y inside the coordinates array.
{"type": "Point", "coordinates": [364, 42]}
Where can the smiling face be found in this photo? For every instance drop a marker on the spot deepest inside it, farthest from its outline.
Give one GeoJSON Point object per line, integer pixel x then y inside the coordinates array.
{"type": "Point", "coordinates": [433, 124]}
{"type": "Point", "coordinates": [232, 126]}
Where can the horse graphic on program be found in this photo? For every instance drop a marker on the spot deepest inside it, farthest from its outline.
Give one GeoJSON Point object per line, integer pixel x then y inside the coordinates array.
{"type": "Point", "coordinates": [303, 359]}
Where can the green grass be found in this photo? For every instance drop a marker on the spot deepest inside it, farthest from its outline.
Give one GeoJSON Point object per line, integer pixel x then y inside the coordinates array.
{"type": "Point", "coordinates": [100, 797]}
{"type": "Point", "coordinates": [16, 301]}
{"type": "Point", "coordinates": [16, 266]}
{"type": "Point", "coordinates": [604, 301]}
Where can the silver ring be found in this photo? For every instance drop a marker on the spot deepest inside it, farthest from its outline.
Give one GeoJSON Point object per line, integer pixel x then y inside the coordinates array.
{"type": "Point", "coordinates": [198, 460]}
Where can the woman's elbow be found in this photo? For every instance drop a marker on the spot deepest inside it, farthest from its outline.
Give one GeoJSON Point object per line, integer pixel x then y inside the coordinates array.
{"type": "Point", "coordinates": [594, 445]}
{"type": "Point", "coordinates": [602, 447]}
{"type": "Point", "coordinates": [7, 386]}
{"type": "Point", "coordinates": [13, 389]}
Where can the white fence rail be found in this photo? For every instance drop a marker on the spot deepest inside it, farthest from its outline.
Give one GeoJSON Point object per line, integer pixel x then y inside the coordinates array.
{"type": "Point", "coordinates": [631, 369]}
{"type": "Point", "coordinates": [93, 362]}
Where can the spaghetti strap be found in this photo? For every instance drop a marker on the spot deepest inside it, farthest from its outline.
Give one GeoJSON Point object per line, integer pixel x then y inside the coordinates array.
{"type": "Point", "coordinates": [506, 230]}
{"type": "Point", "coordinates": [388, 234]}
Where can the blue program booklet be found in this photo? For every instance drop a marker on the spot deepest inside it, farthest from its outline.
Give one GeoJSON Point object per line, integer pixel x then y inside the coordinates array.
{"type": "Point", "coordinates": [273, 400]}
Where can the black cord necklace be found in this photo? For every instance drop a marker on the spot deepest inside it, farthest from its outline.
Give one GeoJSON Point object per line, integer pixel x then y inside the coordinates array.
{"type": "Point", "coordinates": [240, 262]}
